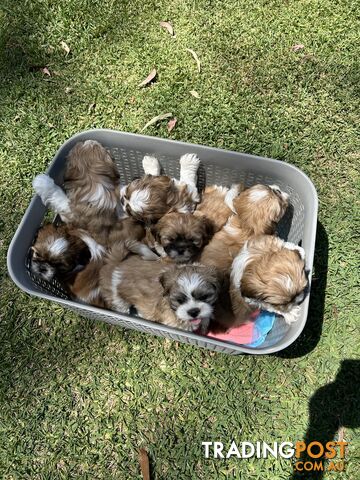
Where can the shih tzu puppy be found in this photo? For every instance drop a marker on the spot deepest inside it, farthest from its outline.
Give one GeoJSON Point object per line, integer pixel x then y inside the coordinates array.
{"type": "Point", "coordinates": [90, 199]}
{"type": "Point", "coordinates": [149, 198]}
{"type": "Point", "coordinates": [216, 204]}
{"type": "Point", "coordinates": [257, 211]}
{"type": "Point", "coordinates": [179, 237]}
{"type": "Point", "coordinates": [71, 257]}
{"type": "Point", "coordinates": [57, 252]}
{"type": "Point", "coordinates": [179, 296]}
{"type": "Point", "coordinates": [269, 274]}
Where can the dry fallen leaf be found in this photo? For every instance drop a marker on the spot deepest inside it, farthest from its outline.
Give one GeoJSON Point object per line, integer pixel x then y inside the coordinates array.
{"type": "Point", "coordinates": [65, 47]}
{"type": "Point", "coordinates": [144, 464]}
{"type": "Point", "coordinates": [68, 90]}
{"type": "Point", "coordinates": [171, 124]}
{"type": "Point", "coordinates": [149, 78]}
{"type": "Point", "coordinates": [297, 47]}
{"type": "Point", "coordinates": [91, 107]}
{"type": "Point", "coordinates": [196, 58]}
{"type": "Point", "coordinates": [194, 93]}
{"type": "Point", "coordinates": [168, 27]}
{"type": "Point", "coordinates": [156, 119]}
{"type": "Point", "coordinates": [46, 71]}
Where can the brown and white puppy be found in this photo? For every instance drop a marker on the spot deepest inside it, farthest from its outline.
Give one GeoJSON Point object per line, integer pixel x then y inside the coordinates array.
{"type": "Point", "coordinates": [257, 211]}
{"type": "Point", "coordinates": [91, 199]}
{"type": "Point", "coordinates": [149, 198]}
{"type": "Point", "coordinates": [217, 204]}
{"type": "Point", "coordinates": [179, 237]}
{"type": "Point", "coordinates": [71, 257]}
{"type": "Point", "coordinates": [179, 296]}
{"type": "Point", "coordinates": [58, 250]}
{"type": "Point", "coordinates": [269, 274]}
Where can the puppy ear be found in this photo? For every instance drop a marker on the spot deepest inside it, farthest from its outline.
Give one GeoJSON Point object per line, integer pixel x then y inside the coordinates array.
{"type": "Point", "coordinates": [166, 281]}
{"type": "Point", "coordinates": [209, 228]}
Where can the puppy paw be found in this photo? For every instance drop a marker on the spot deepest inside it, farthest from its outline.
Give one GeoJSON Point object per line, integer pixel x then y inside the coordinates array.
{"type": "Point", "coordinates": [151, 165]}
{"type": "Point", "coordinates": [190, 160]}
{"type": "Point", "coordinates": [292, 316]}
{"type": "Point", "coordinates": [43, 186]}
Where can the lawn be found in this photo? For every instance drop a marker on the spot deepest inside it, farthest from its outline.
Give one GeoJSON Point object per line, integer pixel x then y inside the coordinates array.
{"type": "Point", "coordinates": [278, 79]}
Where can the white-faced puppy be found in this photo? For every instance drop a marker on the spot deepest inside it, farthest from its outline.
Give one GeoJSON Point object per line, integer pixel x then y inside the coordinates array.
{"type": "Point", "coordinates": [217, 204]}
{"type": "Point", "coordinates": [179, 237]}
{"type": "Point", "coordinates": [257, 211]}
{"type": "Point", "coordinates": [91, 199]}
{"type": "Point", "coordinates": [149, 198]}
{"type": "Point", "coordinates": [179, 296]}
{"type": "Point", "coordinates": [269, 274]}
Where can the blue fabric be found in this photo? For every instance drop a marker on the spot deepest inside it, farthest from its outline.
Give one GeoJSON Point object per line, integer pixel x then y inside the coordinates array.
{"type": "Point", "coordinates": [263, 324]}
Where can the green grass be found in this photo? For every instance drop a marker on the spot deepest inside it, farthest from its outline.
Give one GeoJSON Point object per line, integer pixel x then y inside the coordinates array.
{"type": "Point", "coordinates": [79, 398]}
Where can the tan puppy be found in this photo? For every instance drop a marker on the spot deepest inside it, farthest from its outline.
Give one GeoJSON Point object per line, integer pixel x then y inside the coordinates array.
{"type": "Point", "coordinates": [178, 296]}
{"type": "Point", "coordinates": [217, 204]}
{"type": "Point", "coordinates": [269, 274]}
{"type": "Point", "coordinates": [258, 209]}
{"type": "Point", "coordinates": [149, 198]}
{"type": "Point", "coordinates": [179, 237]}
{"type": "Point", "coordinates": [91, 199]}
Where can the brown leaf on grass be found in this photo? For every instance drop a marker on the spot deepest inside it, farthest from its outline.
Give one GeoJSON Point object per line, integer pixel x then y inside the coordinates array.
{"type": "Point", "coordinates": [65, 47]}
{"type": "Point", "coordinates": [297, 47]}
{"type": "Point", "coordinates": [91, 107]}
{"type": "Point", "coordinates": [156, 119]}
{"type": "Point", "coordinates": [194, 93]}
{"type": "Point", "coordinates": [149, 78]}
{"type": "Point", "coordinates": [144, 464]}
{"type": "Point", "coordinates": [46, 71]}
{"type": "Point", "coordinates": [171, 124]}
{"type": "Point", "coordinates": [168, 27]}
{"type": "Point", "coordinates": [195, 57]}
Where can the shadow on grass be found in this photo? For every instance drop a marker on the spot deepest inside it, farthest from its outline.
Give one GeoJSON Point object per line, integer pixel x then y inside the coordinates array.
{"type": "Point", "coordinates": [311, 334]}
{"type": "Point", "coordinates": [332, 407]}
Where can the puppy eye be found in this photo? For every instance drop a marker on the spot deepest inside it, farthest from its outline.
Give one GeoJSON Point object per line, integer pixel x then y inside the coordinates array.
{"type": "Point", "coordinates": [180, 299]}
{"type": "Point", "coordinates": [203, 298]}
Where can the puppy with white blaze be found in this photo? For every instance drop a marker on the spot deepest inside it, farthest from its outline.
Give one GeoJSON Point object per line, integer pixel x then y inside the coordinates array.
{"type": "Point", "coordinates": [71, 257]}
{"type": "Point", "coordinates": [257, 210]}
{"type": "Point", "coordinates": [179, 296]}
{"type": "Point", "coordinates": [269, 274]}
{"type": "Point", "coordinates": [149, 198]}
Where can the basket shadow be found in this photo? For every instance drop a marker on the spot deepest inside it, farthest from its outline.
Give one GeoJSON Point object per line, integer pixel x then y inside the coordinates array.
{"type": "Point", "coordinates": [311, 334]}
{"type": "Point", "coordinates": [331, 408]}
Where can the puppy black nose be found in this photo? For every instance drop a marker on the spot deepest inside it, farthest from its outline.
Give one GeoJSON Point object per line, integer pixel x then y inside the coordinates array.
{"type": "Point", "coordinates": [180, 251]}
{"type": "Point", "coordinates": [194, 312]}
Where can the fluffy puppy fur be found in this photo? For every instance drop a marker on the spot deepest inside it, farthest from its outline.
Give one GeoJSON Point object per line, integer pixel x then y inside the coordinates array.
{"type": "Point", "coordinates": [91, 199]}
{"type": "Point", "coordinates": [149, 198]}
{"type": "Point", "coordinates": [178, 296]}
{"type": "Point", "coordinates": [217, 204]}
{"type": "Point", "coordinates": [269, 274]}
{"type": "Point", "coordinates": [57, 252]}
{"type": "Point", "coordinates": [70, 256]}
{"type": "Point", "coordinates": [257, 211]}
{"type": "Point", "coordinates": [179, 237]}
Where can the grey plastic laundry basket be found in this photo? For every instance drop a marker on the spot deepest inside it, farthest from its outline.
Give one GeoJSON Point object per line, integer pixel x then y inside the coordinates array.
{"type": "Point", "coordinates": [217, 166]}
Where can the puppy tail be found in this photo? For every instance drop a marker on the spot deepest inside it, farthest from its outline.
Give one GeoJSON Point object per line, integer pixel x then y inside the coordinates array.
{"type": "Point", "coordinates": [141, 249]}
